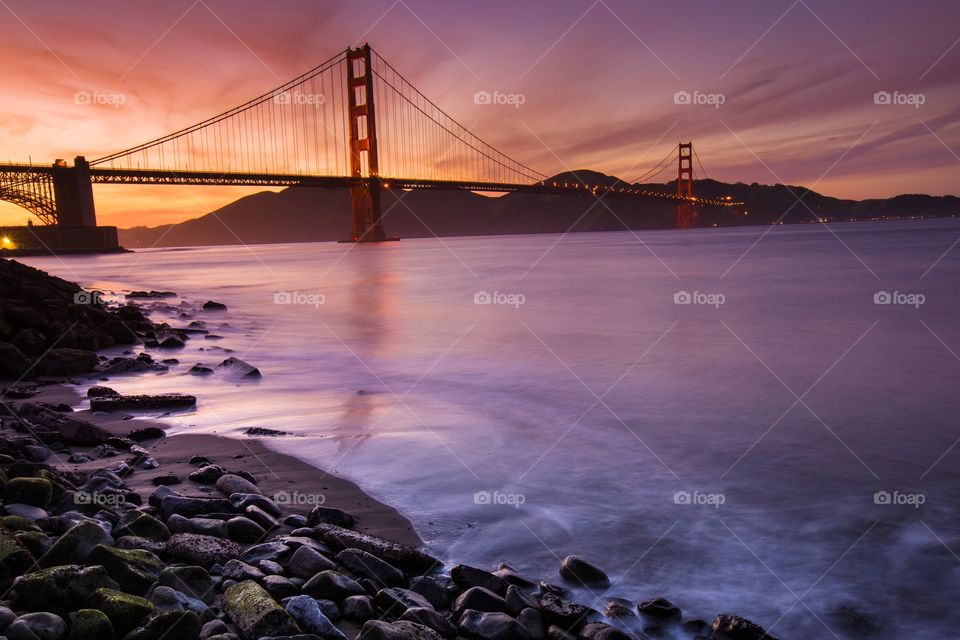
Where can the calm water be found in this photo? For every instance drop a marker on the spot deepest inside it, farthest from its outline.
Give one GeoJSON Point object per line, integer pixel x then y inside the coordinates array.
{"type": "Point", "coordinates": [776, 415]}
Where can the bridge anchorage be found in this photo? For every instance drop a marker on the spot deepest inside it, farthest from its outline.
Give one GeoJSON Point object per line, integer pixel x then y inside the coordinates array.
{"type": "Point", "coordinates": [354, 123]}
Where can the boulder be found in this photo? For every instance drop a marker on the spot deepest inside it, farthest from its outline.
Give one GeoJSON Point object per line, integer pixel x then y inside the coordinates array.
{"type": "Point", "coordinates": [306, 563]}
{"type": "Point", "coordinates": [659, 608]}
{"type": "Point", "coordinates": [482, 625]}
{"type": "Point", "coordinates": [179, 625]}
{"type": "Point", "coordinates": [392, 602]}
{"type": "Point", "coordinates": [13, 363]}
{"type": "Point", "coordinates": [229, 483]}
{"type": "Point", "coordinates": [466, 576]}
{"type": "Point", "coordinates": [33, 491]}
{"type": "Point", "coordinates": [91, 624]}
{"type": "Point", "coordinates": [330, 515]}
{"type": "Point", "coordinates": [191, 580]}
{"type": "Point", "coordinates": [402, 630]}
{"type": "Point", "coordinates": [563, 613]}
{"type": "Point", "coordinates": [255, 612]}
{"type": "Point", "coordinates": [75, 545]}
{"type": "Point", "coordinates": [63, 362]}
{"type": "Point", "coordinates": [731, 627]}
{"type": "Point", "coordinates": [358, 608]}
{"type": "Point", "coordinates": [202, 550]}
{"type": "Point", "coordinates": [37, 626]}
{"type": "Point", "coordinates": [141, 524]}
{"type": "Point", "coordinates": [15, 558]}
{"type": "Point", "coordinates": [333, 586]}
{"type": "Point", "coordinates": [308, 616]}
{"type": "Point", "coordinates": [382, 573]}
{"type": "Point", "coordinates": [124, 610]}
{"type": "Point", "coordinates": [210, 305]}
{"type": "Point", "coordinates": [237, 368]}
{"type": "Point", "coordinates": [164, 401]}
{"type": "Point", "coordinates": [133, 569]}
{"type": "Point", "coordinates": [431, 589]}
{"type": "Point", "coordinates": [479, 599]}
{"type": "Point", "coordinates": [245, 530]}
{"type": "Point", "coordinates": [577, 570]}
{"type": "Point", "coordinates": [403, 557]}
{"type": "Point", "coordinates": [63, 588]}
{"type": "Point", "coordinates": [432, 619]}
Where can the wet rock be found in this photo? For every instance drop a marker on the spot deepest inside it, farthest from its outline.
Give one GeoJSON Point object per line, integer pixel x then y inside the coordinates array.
{"type": "Point", "coordinates": [133, 569]}
{"type": "Point", "coordinates": [369, 566]}
{"type": "Point", "coordinates": [213, 628]}
{"type": "Point", "coordinates": [533, 621]}
{"type": "Point", "coordinates": [141, 524]}
{"type": "Point", "coordinates": [161, 402]}
{"type": "Point", "coordinates": [229, 483]}
{"type": "Point", "coordinates": [518, 600]}
{"type": "Point", "coordinates": [403, 557]}
{"type": "Point", "coordinates": [202, 550]}
{"type": "Point", "coordinates": [333, 586]}
{"type": "Point", "coordinates": [431, 589]}
{"type": "Point", "coordinates": [392, 602]}
{"type": "Point", "coordinates": [189, 507]}
{"type": "Point", "coordinates": [603, 631]}
{"type": "Point", "coordinates": [279, 587]}
{"type": "Point", "coordinates": [98, 391]}
{"type": "Point", "coordinates": [432, 619]}
{"type": "Point", "coordinates": [481, 625]}
{"type": "Point", "coordinates": [166, 337]}
{"type": "Point", "coordinates": [306, 563]}
{"type": "Point", "coordinates": [736, 628]}
{"type": "Point", "coordinates": [236, 367]}
{"type": "Point", "coordinates": [330, 515]}
{"type": "Point", "coordinates": [146, 433]}
{"type": "Point", "coordinates": [166, 480]}
{"type": "Point", "coordinates": [563, 613]}
{"type": "Point", "coordinates": [402, 630]}
{"type": "Point", "coordinates": [210, 305]}
{"type": "Point", "coordinates": [358, 608]}
{"type": "Point", "coordinates": [126, 366]}
{"type": "Point", "coordinates": [308, 616]}
{"type": "Point", "coordinates": [239, 571]}
{"type": "Point", "coordinates": [240, 502]}
{"type": "Point", "coordinates": [78, 458]}
{"type": "Point", "coordinates": [91, 624]}
{"type": "Point", "coordinates": [479, 599]}
{"type": "Point", "coordinates": [62, 588]}
{"type": "Point", "coordinates": [14, 363]}
{"type": "Point", "coordinates": [466, 576]}
{"type": "Point", "coordinates": [39, 626]}
{"type": "Point", "coordinates": [852, 621]}
{"type": "Point", "coordinates": [49, 426]}
{"type": "Point", "coordinates": [75, 545]}
{"type": "Point", "coordinates": [200, 370]}
{"type": "Point", "coordinates": [255, 612]}
{"type": "Point", "coordinates": [192, 580]}
{"type": "Point", "coordinates": [618, 608]}
{"type": "Point", "coordinates": [577, 570]}
{"type": "Point", "coordinates": [65, 362]}
{"type": "Point", "coordinates": [509, 575]}
{"type": "Point", "coordinates": [263, 431]}
{"type": "Point", "coordinates": [124, 610]}
{"type": "Point", "coordinates": [36, 492]}
{"type": "Point", "coordinates": [659, 608]}
{"type": "Point", "coordinates": [244, 530]}
{"type": "Point", "coordinates": [183, 625]}
{"type": "Point", "coordinates": [207, 474]}
{"type": "Point", "coordinates": [556, 633]}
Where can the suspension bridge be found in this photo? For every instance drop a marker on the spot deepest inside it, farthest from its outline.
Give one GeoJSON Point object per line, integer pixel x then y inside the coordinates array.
{"type": "Point", "coordinates": [352, 122]}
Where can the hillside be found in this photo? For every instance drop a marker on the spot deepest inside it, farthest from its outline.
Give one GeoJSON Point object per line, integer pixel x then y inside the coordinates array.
{"type": "Point", "coordinates": [300, 214]}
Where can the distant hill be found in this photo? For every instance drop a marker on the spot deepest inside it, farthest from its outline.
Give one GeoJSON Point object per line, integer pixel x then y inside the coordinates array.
{"type": "Point", "coordinates": [303, 214]}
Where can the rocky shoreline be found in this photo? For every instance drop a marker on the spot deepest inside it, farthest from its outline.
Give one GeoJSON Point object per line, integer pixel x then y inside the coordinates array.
{"type": "Point", "coordinates": [110, 532]}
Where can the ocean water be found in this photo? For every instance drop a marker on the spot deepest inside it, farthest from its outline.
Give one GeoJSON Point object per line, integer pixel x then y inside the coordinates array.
{"type": "Point", "coordinates": [782, 447]}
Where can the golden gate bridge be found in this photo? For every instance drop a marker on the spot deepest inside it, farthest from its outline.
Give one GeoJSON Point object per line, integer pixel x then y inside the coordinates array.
{"type": "Point", "coordinates": [351, 122]}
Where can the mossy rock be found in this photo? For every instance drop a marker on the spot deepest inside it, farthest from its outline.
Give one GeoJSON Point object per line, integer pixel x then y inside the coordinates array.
{"type": "Point", "coordinates": [91, 624]}
{"type": "Point", "coordinates": [133, 569]}
{"type": "Point", "coordinates": [62, 589]}
{"type": "Point", "coordinates": [75, 545]}
{"type": "Point", "coordinates": [182, 625]}
{"type": "Point", "coordinates": [124, 610]}
{"type": "Point", "coordinates": [15, 558]}
{"type": "Point", "coordinates": [36, 542]}
{"type": "Point", "coordinates": [36, 492]}
{"type": "Point", "coordinates": [19, 523]}
{"type": "Point", "coordinates": [255, 612]}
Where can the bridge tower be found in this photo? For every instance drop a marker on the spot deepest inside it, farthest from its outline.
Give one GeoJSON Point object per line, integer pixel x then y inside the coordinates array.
{"type": "Point", "coordinates": [685, 211]}
{"type": "Point", "coordinates": [73, 192]}
{"type": "Point", "coordinates": [365, 196]}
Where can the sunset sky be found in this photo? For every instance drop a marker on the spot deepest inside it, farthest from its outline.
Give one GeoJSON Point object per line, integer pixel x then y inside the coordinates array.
{"type": "Point", "coordinates": [598, 79]}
